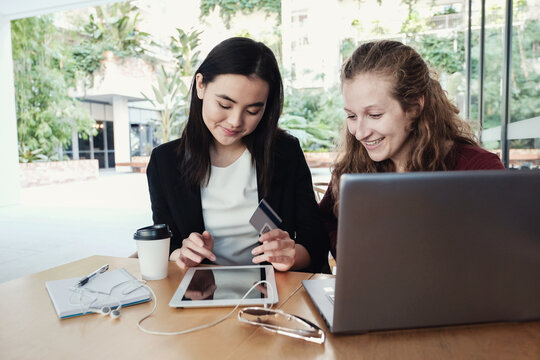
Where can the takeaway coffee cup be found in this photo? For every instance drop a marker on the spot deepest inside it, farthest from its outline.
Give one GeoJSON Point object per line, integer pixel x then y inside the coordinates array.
{"type": "Point", "coordinates": [153, 248]}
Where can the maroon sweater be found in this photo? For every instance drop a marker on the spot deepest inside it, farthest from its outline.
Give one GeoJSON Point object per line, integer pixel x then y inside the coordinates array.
{"type": "Point", "coordinates": [460, 157]}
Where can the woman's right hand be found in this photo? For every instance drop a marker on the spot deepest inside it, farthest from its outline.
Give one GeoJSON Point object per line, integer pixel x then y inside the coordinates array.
{"type": "Point", "coordinates": [194, 250]}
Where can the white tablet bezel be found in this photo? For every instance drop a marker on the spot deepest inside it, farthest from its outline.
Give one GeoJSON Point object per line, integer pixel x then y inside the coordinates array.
{"type": "Point", "coordinates": [179, 293]}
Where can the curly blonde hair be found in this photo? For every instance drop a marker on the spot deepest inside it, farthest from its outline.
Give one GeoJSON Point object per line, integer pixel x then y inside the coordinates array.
{"type": "Point", "coordinates": [432, 126]}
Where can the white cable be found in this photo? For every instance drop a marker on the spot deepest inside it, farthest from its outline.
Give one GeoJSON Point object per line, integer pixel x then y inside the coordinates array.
{"type": "Point", "coordinates": [181, 332]}
{"type": "Point", "coordinates": [85, 292]}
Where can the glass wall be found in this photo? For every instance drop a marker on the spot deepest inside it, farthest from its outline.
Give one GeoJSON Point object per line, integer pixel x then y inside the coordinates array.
{"type": "Point", "coordinates": [144, 136]}
{"type": "Point", "coordinates": [99, 146]}
{"type": "Point", "coordinates": [524, 127]}
{"type": "Point", "coordinates": [142, 139]}
{"type": "Point", "coordinates": [493, 62]}
{"type": "Point", "coordinates": [439, 30]}
{"type": "Point", "coordinates": [144, 127]}
{"type": "Point", "coordinates": [524, 86]}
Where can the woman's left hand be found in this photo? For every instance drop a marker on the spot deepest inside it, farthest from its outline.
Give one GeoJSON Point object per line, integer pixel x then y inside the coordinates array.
{"type": "Point", "coordinates": [277, 248]}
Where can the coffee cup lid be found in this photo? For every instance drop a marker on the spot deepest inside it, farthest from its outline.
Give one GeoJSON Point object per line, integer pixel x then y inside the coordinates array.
{"type": "Point", "coordinates": [153, 232]}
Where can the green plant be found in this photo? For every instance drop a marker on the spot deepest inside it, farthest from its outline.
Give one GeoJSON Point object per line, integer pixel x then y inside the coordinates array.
{"type": "Point", "coordinates": [413, 24]}
{"type": "Point", "coordinates": [46, 114]}
{"type": "Point", "coordinates": [112, 28]}
{"type": "Point", "coordinates": [312, 136]}
{"type": "Point", "coordinates": [170, 96]}
{"type": "Point", "coordinates": [228, 8]}
{"type": "Point", "coordinates": [313, 116]}
{"type": "Point", "coordinates": [347, 48]}
{"type": "Point", "coordinates": [445, 53]}
{"type": "Point", "coordinates": [26, 155]}
{"type": "Point", "coordinates": [184, 48]}
{"type": "Point", "coordinates": [447, 10]}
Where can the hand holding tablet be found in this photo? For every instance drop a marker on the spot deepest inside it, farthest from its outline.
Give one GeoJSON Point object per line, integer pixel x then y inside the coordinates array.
{"type": "Point", "coordinates": [277, 247]}
{"type": "Point", "coordinates": [226, 285]}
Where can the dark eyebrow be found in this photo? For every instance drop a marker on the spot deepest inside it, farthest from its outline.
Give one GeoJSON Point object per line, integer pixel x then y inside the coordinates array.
{"type": "Point", "coordinates": [225, 97]}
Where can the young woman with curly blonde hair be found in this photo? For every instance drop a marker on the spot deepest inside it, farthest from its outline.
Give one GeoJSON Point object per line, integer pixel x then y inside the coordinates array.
{"type": "Point", "coordinates": [399, 119]}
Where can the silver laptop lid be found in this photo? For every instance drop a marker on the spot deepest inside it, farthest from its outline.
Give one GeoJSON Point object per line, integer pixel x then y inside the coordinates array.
{"type": "Point", "coordinates": [430, 249]}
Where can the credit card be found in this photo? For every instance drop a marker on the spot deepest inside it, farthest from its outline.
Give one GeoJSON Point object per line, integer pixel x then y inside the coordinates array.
{"type": "Point", "coordinates": [264, 218]}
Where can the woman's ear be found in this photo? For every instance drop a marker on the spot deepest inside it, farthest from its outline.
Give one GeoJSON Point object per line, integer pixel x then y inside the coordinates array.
{"type": "Point", "coordinates": [200, 87]}
{"type": "Point", "coordinates": [417, 108]}
{"type": "Point", "coordinates": [420, 104]}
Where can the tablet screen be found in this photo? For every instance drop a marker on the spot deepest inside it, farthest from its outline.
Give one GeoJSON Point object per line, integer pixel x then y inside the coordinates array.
{"type": "Point", "coordinates": [224, 284]}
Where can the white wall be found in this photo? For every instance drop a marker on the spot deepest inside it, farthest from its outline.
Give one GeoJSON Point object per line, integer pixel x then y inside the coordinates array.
{"type": "Point", "coordinates": [9, 158]}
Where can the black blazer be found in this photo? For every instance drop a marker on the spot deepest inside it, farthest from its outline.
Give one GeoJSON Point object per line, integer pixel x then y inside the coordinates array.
{"type": "Point", "coordinates": [290, 195]}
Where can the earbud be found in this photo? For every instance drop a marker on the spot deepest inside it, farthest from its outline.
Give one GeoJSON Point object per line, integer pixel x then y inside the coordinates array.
{"type": "Point", "coordinates": [115, 314]}
{"type": "Point", "coordinates": [94, 296]}
{"type": "Point", "coordinates": [104, 310]}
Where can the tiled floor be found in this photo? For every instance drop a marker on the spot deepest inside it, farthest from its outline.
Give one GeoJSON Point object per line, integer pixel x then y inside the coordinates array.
{"type": "Point", "coordinates": [56, 224]}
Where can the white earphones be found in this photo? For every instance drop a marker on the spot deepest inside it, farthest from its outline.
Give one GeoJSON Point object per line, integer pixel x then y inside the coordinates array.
{"type": "Point", "coordinates": [106, 310]}
{"type": "Point", "coordinates": [92, 296]}
{"type": "Point", "coordinates": [115, 314]}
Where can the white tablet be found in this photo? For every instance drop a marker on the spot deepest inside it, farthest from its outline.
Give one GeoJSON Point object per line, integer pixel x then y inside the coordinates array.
{"type": "Point", "coordinates": [225, 286]}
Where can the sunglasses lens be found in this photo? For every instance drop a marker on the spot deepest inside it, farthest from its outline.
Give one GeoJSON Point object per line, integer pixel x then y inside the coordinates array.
{"type": "Point", "coordinates": [280, 322]}
{"type": "Point", "coordinates": [278, 319]}
{"type": "Point", "coordinates": [257, 312]}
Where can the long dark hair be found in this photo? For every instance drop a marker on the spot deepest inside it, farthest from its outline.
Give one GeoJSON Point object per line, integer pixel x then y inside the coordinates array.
{"type": "Point", "coordinates": [240, 56]}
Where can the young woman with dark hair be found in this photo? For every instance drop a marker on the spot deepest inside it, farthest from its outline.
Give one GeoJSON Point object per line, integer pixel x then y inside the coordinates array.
{"type": "Point", "coordinates": [231, 154]}
{"type": "Point", "coordinates": [398, 120]}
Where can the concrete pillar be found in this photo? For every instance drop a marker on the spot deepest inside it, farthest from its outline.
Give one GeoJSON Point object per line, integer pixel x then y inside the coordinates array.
{"type": "Point", "coordinates": [75, 144]}
{"type": "Point", "coordinates": [9, 156]}
{"type": "Point", "coordinates": [122, 151]}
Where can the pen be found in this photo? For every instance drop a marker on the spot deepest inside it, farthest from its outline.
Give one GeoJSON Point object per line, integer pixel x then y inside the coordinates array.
{"type": "Point", "coordinates": [85, 279]}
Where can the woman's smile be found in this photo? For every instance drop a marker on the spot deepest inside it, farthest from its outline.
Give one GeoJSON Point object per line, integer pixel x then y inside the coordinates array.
{"type": "Point", "coordinates": [228, 132]}
{"type": "Point", "coordinates": [371, 145]}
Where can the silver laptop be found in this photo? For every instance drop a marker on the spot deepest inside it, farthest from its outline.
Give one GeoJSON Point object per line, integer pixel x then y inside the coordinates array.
{"type": "Point", "coordinates": [433, 249]}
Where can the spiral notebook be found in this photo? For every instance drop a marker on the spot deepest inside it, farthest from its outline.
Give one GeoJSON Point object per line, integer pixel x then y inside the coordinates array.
{"type": "Point", "coordinates": [112, 288]}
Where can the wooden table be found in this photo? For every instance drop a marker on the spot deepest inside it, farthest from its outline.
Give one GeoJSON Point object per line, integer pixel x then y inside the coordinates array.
{"type": "Point", "coordinates": [30, 328]}
{"type": "Point", "coordinates": [486, 341]}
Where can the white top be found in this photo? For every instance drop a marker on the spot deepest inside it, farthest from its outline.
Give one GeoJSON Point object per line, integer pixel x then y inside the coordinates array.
{"type": "Point", "coordinates": [228, 202]}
